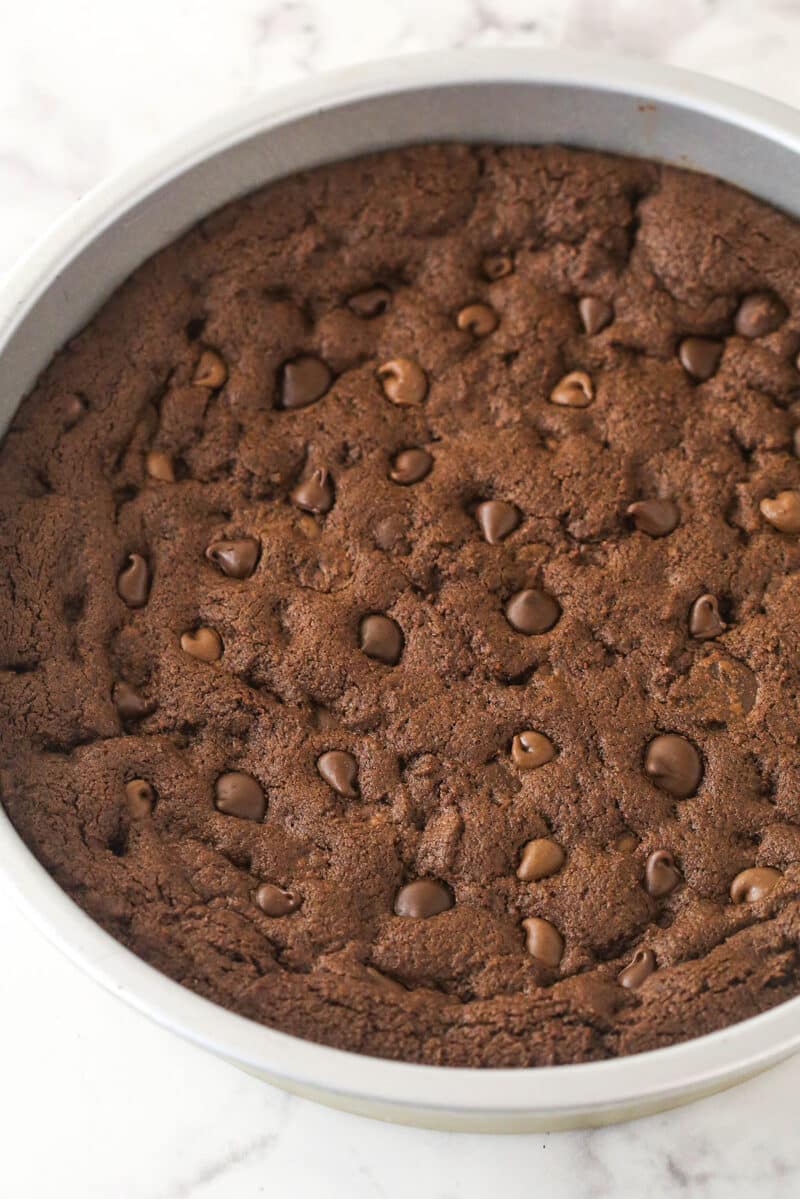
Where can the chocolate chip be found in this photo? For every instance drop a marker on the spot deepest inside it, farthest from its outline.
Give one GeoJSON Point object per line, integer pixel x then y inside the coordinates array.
{"type": "Point", "coordinates": [423, 898]}
{"type": "Point", "coordinates": [403, 381]}
{"type": "Point", "coordinates": [497, 266]}
{"type": "Point", "coordinates": [74, 408]}
{"type": "Point", "coordinates": [674, 764]}
{"type": "Point", "coordinates": [532, 611]}
{"type": "Point", "coordinates": [478, 319]}
{"type": "Point", "coordinates": [237, 559]}
{"type": "Point", "coordinates": [543, 941]}
{"type": "Point", "coordinates": [373, 302]}
{"type": "Point", "coordinates": [210, 371]}
{"type": "Point", "coordinates": [308, 527]}
{"type": "Point", "coordinates": [720, 688]}
{"type": "Point", "coordinates": [705, 621]}
{"type": "Point", "coordinates": [530, 750]}
{"type": "Point", "coordinates": [410, 466]}
{"type": "Point", "coordinates": [497, 518]}
{"type": "Point", "coordinates": [575, 390]}
{"type": "Point", "coordinates": [699, 356]}
{"type": "Point", "coordinates": [130, 704]}
{"type": "Point", "coordinates": [303, 381]}
{"type": "Point", "coordinates": [274, 901]}
{"type": "Point", "coordinates": [339, 769]}
{"type": "Point", "coordinates": [390, 533]}
{"type": "Point", "coordinates": [657, 518]}
{"type": "Point", "coordinates": [661, 875]}
{"type": "Point", "coordinates": [540, 859]}
{"type": "Point", "coordinates": [753, 884]}
{"type": "Point", "coordinates": [759, 313]}
{"type": "Point", "coordinates": [159, 466]}
{"type": "Point", "coordinates": [390, 985]}
{"type": "Point", "coordinates": [314, 494]}
{"type": "Point", "coordinates": [140, 798]}
{"type": "Point", "coordinates": [796, 442]}
{"type": "Point", "coordinates": [204, 643]}
{"type": "Point", "coordinates": [380, 637]}
{"type": "Point", "coordinates": [133, 582]}
{"type": "Point", "coordinates": [239, 794]}
{"type": "Point", "coordinates": [595, 314]}
{"type": "Point", "coordinates": [640, 967]}
{"type": "Point", "coordinates": [782, 511]}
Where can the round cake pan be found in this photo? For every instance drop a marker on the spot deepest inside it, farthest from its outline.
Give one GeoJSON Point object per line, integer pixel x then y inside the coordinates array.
{"type": "Point", "coordinates": [495, 96]}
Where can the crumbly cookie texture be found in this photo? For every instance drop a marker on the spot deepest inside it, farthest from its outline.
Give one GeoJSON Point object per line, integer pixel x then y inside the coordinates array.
{"type": "Point", "coordinates": [399, 607]}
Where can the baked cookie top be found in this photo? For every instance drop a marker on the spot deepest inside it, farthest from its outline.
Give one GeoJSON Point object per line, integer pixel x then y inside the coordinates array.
{"type": "Point", "coordinates": [399, 607]}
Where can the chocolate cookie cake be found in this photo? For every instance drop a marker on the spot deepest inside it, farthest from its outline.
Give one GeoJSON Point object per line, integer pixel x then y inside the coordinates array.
{"type": "Point", "coordinates": [399, 607]}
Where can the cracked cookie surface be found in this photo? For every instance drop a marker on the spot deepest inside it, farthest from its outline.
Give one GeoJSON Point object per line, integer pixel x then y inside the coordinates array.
{"type": "Point", "coordinates": [399, 606]}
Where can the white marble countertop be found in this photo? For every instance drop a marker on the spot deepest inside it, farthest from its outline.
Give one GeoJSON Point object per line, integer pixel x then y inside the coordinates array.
{"type": "Point", "coordinates": [95, 1101]}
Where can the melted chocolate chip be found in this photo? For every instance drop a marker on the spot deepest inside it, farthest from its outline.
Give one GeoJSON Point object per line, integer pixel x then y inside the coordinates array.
{"type": "Point", "coordinates": [410, 466]}
{"type": "Point", "coordinates": [497, 266]}
{"type": "Point", "coordinates": [782, 511]}
{"type": "Point", "coordinates": [133, 582]}
{"type": "Point", "coordinates": [530, 750]}
{"type": "Point", "coordinates": [575, 390]}
{"type": "Point", "coordinates": [239, 794]}
{"type": "Point", "coordinates": [657, 518]}
{"type": "Point", "coordinates": [159, 466]}
{"type": "Point", "coordinates": [759, 313]}
{"type": "Point", "coordinates": [339, 769]}
{"type": "Point", "coordinates": [303, 381]}
{"type": "Point", "coordinates": [478, 319]}
{"type": "Point", "coordinates": [543, 941]}
{"type": "Point", "coordinates": [276, 902]}
{"type": "Point", "coordinates": [210, 371]}
{"type": "Point", "coordinates": [674, 764]}
{"type": "Point", "coordinates": [532, 611]}
{"type": "Point", "coordinates": [753, 884]}
{"type": "Point", "coordinates": [423, 898]}
{"type": "Point", "coordinates": [497, 519]}
{"type": "Point", "coordinates": [74, 408]}
{"type": "Point", "coordinates": [640, 967]}
{"type": "Point", "coordinates": [381, 638]}
{"type": "Point", "coordinates": [390, 985]}
{"type": "Point", "coordinates": [699, 357]}
{"type": "Point", "coordinates": [705, 621]}
{"type": "Point", "coordinates": [390, 533]}
{"type": "Point", "coordinates": [541, 858]}
{"type": "Point", "coordinates": [309, 527]}
{"type": "Point", "coordinates": [719, 688]}
{"type": "Point", "coordinates": [595, 314]}
{"type": "Point", "coordinates": [237, 559]}
{"type": "Point", "coordinates": [314, 494]}
{"type": "Point", "coordinates": [373, 302]}
{"type": "Point", "coordinates": [661, 875]}
{"type": "Point", "coordinates": [204, 643]}
{"type": "Point", "coordinates": [404, 382]}
{"type": "Point", "coordinates": [140, 798]}
{"type": "Point", "coordinates": [129, 703]}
